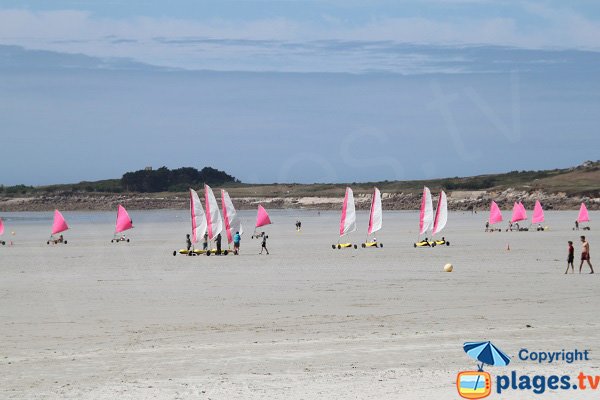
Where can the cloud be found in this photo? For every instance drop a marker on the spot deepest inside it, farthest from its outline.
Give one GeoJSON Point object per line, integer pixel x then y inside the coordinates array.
{"type": "Point", "coordinates": [328, 44]}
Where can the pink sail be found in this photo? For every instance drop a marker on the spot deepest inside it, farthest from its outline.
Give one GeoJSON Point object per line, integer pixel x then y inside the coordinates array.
{"type": "Point", "coordinates": [198, 217]}
{"type": "Point", "coordinates": [583, 214]}
{"type": "Point", "coordinates": [59, 225]}
{"type": "Point", "coordinates": [376, 215]}
{"type": "Point", "coordinates": [441, 214]}
{"type": "Point", "coordinates": [214, 221]}
{"type": "Point", "coordinates": [1, 227]}
{"type": "Point", "coordinates": [495, 214]}
{"type": "Point", "coordinates": [348, 219]}
{"type": "Point", "coordinates": [232, 221]}
{"type": "Point", "coordinates": [518, 213]}
{"type": "Point", "coordinates": [523, 210]}
{"type": "Point", "coordinates": [426, 214]}
{"type": "Point", "coordinates": [262, 218]}
{"type": "Point", "coordinates": [123, 221]}
{"type": "Point", "coordinates": [538, 213]}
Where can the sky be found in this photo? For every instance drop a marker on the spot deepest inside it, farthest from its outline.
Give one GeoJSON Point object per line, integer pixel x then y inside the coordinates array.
{"type": "Point", "coordinates": [296, 91]}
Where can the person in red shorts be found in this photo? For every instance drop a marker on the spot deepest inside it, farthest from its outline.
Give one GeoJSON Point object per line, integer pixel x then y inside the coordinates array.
{"type": "Point", "coordinates": [585, 254]}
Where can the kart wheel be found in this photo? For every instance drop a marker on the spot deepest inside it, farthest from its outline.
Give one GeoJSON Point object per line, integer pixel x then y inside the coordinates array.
{"type": "Point", "coordinates": [174, 253]}
{"type": "Point", "coordinates": [65, 242]}
{"type": "Point", "coordinates": [112, 240]}
{"type": "Point", "coordinates": [339, 247]}
{"type": "Point", "coordinates": [433, 244]}
{"type": "Point", "coordinates": [207, 253]}
{"type": "Point", "coordinates": [127, 240]}
{"type": "Point", "coordinates": [355, 246]}
{"type": "Point", "coordinates": [333, 246]}
{"type": "Point", "coordinates": [414, 244]}
{"type": "Point", "coordinates": [447, 243]}
{"type": "Point", "coordinates": [225, 252]}
{"type": "Point", "coordinates": [363, 245]}
{"type": "Point", "coordinates": [380, 244]}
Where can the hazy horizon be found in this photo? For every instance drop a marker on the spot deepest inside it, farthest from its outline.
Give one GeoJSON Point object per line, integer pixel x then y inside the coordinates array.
{"type": "Point", "coordinates": [296, 91]}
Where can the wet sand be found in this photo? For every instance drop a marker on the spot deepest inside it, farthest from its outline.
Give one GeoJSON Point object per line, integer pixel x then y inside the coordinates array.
{"type": "Point", "coordinates": [95, 320]}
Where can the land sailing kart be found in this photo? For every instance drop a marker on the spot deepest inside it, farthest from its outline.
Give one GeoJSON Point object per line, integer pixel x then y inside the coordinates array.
{"type": "Point", "coordinates": [197, 252]}
{"type": "Point", "coordinates": [431, 243]}
{"type": "Point", "coordinates": [121, 238]}
{"type": "Point", "coordinates": [344, 246]}
{"type": "Point", "coordinates": [57, 240]}
{"type": "Point", "coordinates": [371, 244]}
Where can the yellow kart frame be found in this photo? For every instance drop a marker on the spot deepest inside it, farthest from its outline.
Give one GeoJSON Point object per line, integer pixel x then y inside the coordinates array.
{"type": "Point", "coordinates": [197, 252]}
{"type": "Point", "coordinates": [344, 246]}
{"type": "Point", "coordinates": [371, 244]}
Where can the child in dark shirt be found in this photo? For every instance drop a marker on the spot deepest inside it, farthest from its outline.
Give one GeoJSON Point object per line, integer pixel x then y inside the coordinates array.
{"type": "Point", "coordinates": [571, 257]}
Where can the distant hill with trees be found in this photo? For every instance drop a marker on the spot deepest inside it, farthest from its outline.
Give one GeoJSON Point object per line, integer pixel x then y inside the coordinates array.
{"type": "Point", "coordinates": [176, 180]}
{"type": "Point", "coordinates": [162, 179]}
{"type": "Point", "coordinates": [583, 180]}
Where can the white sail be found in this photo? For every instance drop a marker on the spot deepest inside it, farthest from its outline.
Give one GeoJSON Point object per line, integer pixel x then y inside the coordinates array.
{"type": "Point", "coordinates": [426, 214]}
{"type": "Point", "coordinates": [348, 221]}
{"type": "Point", "coordinates": [376, 216]}
{"type": "Point", "coordinates": [441, 214]}
{"type": "Point", "coordinates": [213, 215]}
{"type": "Point", "coordinates": [232, 221]}
{"type": "Point", "coordinates": [198, 217]}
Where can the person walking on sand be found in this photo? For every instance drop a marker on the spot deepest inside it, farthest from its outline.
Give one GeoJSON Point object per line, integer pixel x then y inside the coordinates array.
{"type": "Point", "coordinates": [264, 244]}
{"type": "Point", "coordinates": [585, 254]}
{"type": "Point", "coordinates": [205, 242]}
{"type": "Point", "coordinates": [571, 258]}
{"type": "Point", "coordinates": [218, 243]}
{"type": "Point", "coordinates": [237, 238]}
{"type": "Point", "coordinates": [188, 242]}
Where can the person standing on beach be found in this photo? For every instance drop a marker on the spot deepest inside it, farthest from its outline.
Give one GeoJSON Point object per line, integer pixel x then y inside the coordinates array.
{"type": "Point", "coordinates": [585, 254]}
{"type": "Point", "coordinates": [237, 238]}
{"type": "Point", "coordinates": [205, 242]}
{"type": "Point", "coordinates": [188, 242]}
{"type": "Point", "coordinates": [571, 258]}
{"type": "Point", "coordinates": [576, 225]}
{"type": "Point", "coordinates": [264, 244]}
{"type": "Point", "coordinates": [218, 242]}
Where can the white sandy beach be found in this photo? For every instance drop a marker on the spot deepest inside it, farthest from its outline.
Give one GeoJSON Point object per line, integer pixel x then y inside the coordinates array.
{"type": "Point", "coordinates": [95, 320]}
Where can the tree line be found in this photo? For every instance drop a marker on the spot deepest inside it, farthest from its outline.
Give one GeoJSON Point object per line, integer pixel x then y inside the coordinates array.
{"type": "Point", "coordinates": [164, 179]}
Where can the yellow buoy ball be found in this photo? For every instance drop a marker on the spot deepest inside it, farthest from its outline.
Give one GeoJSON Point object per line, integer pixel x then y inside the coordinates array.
{"type": "Point", "coordinates": [448, 268]}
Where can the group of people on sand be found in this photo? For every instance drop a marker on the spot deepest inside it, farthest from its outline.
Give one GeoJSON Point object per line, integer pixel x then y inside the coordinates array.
{"type": "Point", "coordinates": [237, 239]}
{"type": "Point", "coordinates": [585, 256]}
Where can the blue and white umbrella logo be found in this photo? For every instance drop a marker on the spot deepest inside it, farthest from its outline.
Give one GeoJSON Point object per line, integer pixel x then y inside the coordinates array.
{"type": "Point", "coordinates": [486, 353]}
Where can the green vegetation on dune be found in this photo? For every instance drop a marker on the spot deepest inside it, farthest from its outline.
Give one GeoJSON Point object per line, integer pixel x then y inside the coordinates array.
{"type": "Point", "coordinates": [583, 180]}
